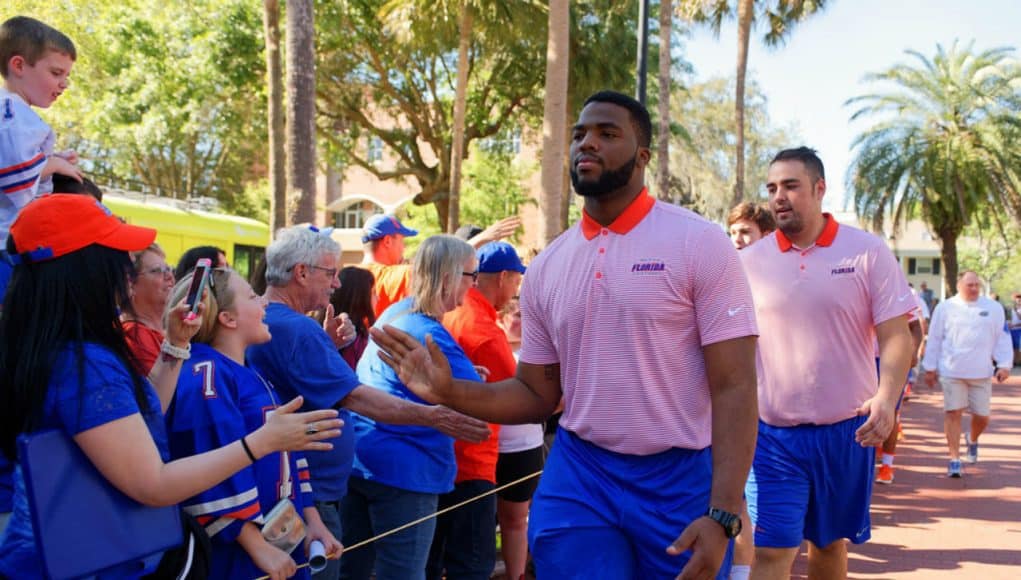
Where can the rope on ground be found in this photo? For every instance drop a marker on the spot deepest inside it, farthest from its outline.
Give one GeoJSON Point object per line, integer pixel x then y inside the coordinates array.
{"type": "Point", "coordinates": [428, 517]}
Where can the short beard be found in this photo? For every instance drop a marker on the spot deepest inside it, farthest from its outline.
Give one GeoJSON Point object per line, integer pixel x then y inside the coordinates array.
{"type": "Point", "coordinates": [791, 227]}
{"type": "Point", "coordinates": [611, 180]}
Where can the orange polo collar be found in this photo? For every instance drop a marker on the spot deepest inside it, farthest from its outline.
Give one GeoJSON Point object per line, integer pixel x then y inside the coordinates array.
{"type": "Point", "coordinates": [829, 232]}
{"type": "Point", "coordinates": [625, 222]}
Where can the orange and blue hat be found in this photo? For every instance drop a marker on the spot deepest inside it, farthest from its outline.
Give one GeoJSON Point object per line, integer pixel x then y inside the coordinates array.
{"type": "Point", "coordinates": [380, 226]}
{"type": "Point", "coordinates": [59, 224]}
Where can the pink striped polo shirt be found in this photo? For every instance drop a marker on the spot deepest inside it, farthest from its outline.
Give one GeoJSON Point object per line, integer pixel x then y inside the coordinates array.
{"type": "Point", "coordinates": [818, 308]}
{"type": "Point", "coordinates": [626, 310]}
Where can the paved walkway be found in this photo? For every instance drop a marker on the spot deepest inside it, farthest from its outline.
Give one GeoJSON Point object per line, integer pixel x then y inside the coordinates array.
{"type": "Point", "coordinates": [928, 526]}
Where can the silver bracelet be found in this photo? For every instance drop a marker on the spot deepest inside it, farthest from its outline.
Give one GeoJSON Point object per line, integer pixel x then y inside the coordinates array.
{"type": "Point", "coordinates": [175, 351]}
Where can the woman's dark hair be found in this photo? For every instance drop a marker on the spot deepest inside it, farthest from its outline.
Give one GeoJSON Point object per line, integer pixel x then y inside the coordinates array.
{"type": "Point", "coordinates": [355, 297]}
{"type": "Point", "coordinates": [66, 184]}
{"type": "Point", "coordinates": [49, 306]}
{"type": "Point", "coordinates": [193, 255]}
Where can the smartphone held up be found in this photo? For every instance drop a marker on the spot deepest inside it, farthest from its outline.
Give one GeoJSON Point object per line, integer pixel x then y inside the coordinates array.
{"type": "Point", "coordinates": [199, 280]}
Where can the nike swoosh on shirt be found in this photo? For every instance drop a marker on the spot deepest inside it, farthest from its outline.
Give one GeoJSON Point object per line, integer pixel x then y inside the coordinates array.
{"type": "Point", "coordinates": [733, 311]}
{"type": "Point", "coordinates": [904, 297]}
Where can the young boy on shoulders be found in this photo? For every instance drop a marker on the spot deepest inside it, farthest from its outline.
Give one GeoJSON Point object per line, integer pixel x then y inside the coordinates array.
{"type": "Point", "coordinates": [35, 61]}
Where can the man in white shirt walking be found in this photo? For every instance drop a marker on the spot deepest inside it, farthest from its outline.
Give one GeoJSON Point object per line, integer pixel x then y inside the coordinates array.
{"type": "Point", "coordinates": [966, 336]}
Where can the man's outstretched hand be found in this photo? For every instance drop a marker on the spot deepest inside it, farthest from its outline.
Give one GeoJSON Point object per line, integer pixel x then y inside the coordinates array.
{"type": "Point", "coordinates": [423, 369]}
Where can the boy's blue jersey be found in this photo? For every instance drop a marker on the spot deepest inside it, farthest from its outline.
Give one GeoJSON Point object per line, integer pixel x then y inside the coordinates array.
{"type": "Point", "coordinates": [217, 402]}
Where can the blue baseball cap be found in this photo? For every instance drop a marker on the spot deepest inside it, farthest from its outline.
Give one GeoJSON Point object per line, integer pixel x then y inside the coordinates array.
{"type": "Point", "coordinates": [499, 257]}
{"type": "Point", "coordinates": [380, 226]}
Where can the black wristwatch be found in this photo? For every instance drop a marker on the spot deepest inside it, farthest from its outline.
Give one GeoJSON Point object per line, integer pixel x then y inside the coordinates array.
{"type": "Point", "coordinates": [731, 522]}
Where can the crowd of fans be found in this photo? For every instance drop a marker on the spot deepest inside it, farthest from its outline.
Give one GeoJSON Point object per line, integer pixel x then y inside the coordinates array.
{"type": "Point", "coordinates": [386, 407]}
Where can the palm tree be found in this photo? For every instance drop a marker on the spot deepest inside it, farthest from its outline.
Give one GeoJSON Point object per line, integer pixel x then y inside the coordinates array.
{"type": "Point", "coordinates": [460, 105]}
{"type": "Point", "coordinates": [666, 14]}
{"type": "Point", "coordinates": [942, 145]}
{"type": "Point", "coordinates": [301, 108]}
{"type": "Point", "coordinates": [275, 114]}
{"type": "Point", "coordinates": [779, 17]}
{"type": "Point", "coordinates": [554, 124]}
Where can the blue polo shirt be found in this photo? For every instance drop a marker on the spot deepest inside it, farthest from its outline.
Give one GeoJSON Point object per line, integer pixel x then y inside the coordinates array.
{"type": "Point", "coordinates": [76, 402]}
{"type": "Point", "coordinates": [6, 483]}
{"type": "Point", "coordinates": [301, 360]}
{"type": "Point", "coordinates": [409, 457]}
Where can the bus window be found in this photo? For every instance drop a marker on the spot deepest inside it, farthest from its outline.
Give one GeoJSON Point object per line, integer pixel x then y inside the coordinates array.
{"type": "Point", "coordinates": [245, 259]}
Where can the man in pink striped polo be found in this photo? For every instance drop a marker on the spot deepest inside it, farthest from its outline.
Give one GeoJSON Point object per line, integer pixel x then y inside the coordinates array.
{"type": "Point", "coordinates": [823, 292]}
{"type": "Point", "coordinates": [640, 317]}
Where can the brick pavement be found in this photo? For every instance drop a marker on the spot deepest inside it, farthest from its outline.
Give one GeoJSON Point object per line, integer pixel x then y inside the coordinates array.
{"type": "Point", "coordinates": [928, 526]}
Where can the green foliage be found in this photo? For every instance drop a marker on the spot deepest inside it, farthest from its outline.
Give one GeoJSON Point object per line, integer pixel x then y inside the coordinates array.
{"type": "Point", "coordinates": [493, 188]}
{"type": "Point", "coordinates": [398, 85]}
{"type": "Point", "coordinates": [942, 145]}
{"type": "Point", "coordinates": [604, 49]}
{"type": "Point", "coordinates": [776, 17]}
{"type": "Point", "coordinates": [992, 251]}
{"type": "Point", "coordinates": [387, 69]}
{"type": "Point", "coordinates": [166, 94]}
{"type": "Point", "coordinates": [702, 157]}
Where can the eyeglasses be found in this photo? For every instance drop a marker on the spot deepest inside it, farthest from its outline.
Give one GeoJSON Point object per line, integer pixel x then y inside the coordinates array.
{"type": "Point", "coordinates": [474, 275]}
{"type": "Point", "coordinates": [331, 272]}
{"type": "Point", "coordinates": [163, 271]}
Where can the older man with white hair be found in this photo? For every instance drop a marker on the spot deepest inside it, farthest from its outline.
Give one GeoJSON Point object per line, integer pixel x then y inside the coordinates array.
{"type": "Point", "coordinates": [966, 337]}
{"type": "Point", "coordinates": [301, 359]}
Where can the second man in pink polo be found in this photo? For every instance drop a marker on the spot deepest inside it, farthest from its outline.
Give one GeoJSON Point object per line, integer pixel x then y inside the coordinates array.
{"type": "Point", "coordinates": [823, 291]}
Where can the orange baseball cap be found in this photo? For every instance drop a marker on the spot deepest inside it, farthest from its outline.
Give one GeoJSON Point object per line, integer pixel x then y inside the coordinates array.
{"type": "Point", "coordinates": [58, 224]}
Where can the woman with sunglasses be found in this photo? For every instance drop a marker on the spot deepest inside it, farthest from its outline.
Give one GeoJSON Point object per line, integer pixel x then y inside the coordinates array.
{"type": "Point", "coordinates": [64, 365]}
{"type": "Point", "coordinates": [220, 399]}
{"type": "Point", "coordinates": [399, 470]}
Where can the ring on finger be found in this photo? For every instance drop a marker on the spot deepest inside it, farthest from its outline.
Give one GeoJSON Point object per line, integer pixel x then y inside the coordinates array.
{"type": "Point", "coordinates": [311, 429]}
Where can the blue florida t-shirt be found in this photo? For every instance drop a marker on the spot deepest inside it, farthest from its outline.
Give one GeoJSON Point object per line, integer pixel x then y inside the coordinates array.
{"type": "Point", "coordinates": [75, 403]}
{"type": "Point", "coordinates": [218, 402]}
{"type": "Point", "coordinates": [302, 360]}
{"type": "Point", "coordinates": [408, 457]}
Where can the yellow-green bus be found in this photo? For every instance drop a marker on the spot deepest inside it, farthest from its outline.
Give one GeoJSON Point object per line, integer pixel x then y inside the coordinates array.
{"type": "Point", "coordinates": [244, 240]}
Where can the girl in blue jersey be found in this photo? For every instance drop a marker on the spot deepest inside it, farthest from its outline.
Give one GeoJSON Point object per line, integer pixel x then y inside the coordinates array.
{"type": "Point", "coordinates": [64, 364]}
{"type": "Point", "coordinates": [218, 400]}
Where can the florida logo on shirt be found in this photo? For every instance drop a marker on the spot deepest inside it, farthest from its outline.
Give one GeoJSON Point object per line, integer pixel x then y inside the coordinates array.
{"type": "Point", "coordinates": [842, 271]}
{"type": "Point", "coordinates": [648, 266]}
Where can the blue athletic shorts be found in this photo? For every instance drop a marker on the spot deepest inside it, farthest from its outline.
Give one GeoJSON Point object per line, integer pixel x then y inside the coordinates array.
{"type": "Point", "coordinates": [810, 482]}
{"type": "Point", "coordinates": [600, 514]}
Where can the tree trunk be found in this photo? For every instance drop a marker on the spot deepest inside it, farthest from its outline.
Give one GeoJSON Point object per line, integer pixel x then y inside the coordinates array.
{"type": "Point", "coordinates": [948, 247]}
{"type": "Point", "coordinates": [663, 136]}
{"type": "Point", "coordinates": [442, 207]}
{"type": "Point", "coordinates": [275, 112]}
{"type": "Point", "coordinates": [566, 199]}
{"type": "Point", "coordinates": [554, 124]}
{"type": "Point", "coordinates": [460, 104]}
{"type": "Point", "coordinates": [744, 31]}
{"type": "Point", "coordinates": [301, 105]}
